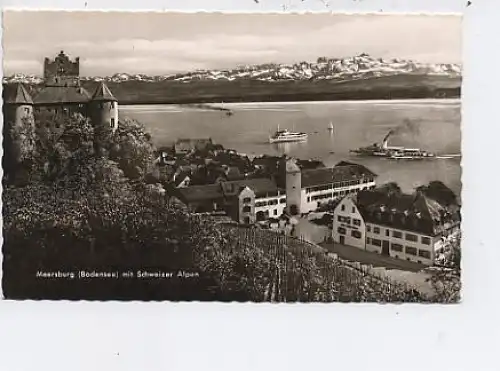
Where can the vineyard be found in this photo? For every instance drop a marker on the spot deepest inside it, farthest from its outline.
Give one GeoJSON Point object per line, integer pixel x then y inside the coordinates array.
{"type": "Point", "coordinates": [294, 270]}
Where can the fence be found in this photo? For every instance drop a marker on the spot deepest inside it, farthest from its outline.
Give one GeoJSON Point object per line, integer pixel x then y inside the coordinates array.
{"type": "Point", "coordinates": [297, 270]}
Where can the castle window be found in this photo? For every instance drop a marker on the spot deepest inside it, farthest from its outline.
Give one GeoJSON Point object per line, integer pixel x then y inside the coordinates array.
{"type": "Point", "coordinates": [246, 209]}
{"type": "Point", "coordinates": [113, 122]}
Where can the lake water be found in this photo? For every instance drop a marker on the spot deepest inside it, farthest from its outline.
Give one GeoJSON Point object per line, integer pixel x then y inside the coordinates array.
{"type": "Point", "coordinates": [433, 125]}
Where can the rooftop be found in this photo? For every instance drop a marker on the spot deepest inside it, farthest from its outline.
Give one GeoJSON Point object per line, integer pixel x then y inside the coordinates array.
{"type": "Point", "coordinates": [201, 193]}
{"type": "Point", "coordinates": [260, 186]}
{"type": "Point", "coordinates": [17, 94]}
{"type": "Point", "coordinates": [102, 93]}
{"type": "Point", "coordinates": [343, 171]}
{"type": "Point", "coordinates": [414, 212]}
{"type": "Point", "coordinates": [62, 94]}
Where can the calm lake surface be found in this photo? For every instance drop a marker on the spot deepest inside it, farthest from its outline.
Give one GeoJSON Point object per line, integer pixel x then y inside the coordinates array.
{"type": "Point", "coordinates": [433, 125]}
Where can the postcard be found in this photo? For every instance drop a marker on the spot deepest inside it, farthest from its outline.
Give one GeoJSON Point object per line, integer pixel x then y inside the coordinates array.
{"type": "Point", "coordinates": [219, 157]}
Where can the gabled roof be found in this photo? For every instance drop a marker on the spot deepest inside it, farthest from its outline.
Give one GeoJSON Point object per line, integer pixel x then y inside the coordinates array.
{"type": "Point", "coordinates": [102, 93]}
{"type": "Point", "coordinates": [17, 95]}
{"type": "Point", "coordinates": [260, 186]}
{"type": "Point", "coordinates": [328, 175]}
{"type": "Point", "coordinates": [207, 192]}
{"type": "Point", "coordinates": [413, 212]}
{"type": "Point", "coordinates": [62, 94]}
{"type": "Point", "coordinates": [226, 190]}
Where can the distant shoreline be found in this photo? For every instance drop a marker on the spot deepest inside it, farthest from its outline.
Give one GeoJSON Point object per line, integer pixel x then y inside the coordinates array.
{"type": "Point", "coordinates": [290, 99]}
{"type": "Point", "coordinates": [376, 101]}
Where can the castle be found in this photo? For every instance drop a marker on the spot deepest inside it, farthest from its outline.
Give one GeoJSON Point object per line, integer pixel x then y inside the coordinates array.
{"type": "Point", "coordinates": [61, 94]}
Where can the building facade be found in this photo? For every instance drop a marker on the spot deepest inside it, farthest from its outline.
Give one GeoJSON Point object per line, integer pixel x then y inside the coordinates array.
{"type": "Point", "coordinates": [246, 201]}
{"type": "Point", "coordinates": [409, 227]}
{"type": "Point", "coordinates": [307, 189]}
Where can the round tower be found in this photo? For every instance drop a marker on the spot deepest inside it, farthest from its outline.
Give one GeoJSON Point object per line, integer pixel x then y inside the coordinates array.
{"type": "Point", "coordinates": [18, 105]}
{"type": "Point", "coordinates": [293, 187]}
{"type": "Point", "coordinates": [104, 108]}
{"type": "Point", "coordinates": [18, 121]}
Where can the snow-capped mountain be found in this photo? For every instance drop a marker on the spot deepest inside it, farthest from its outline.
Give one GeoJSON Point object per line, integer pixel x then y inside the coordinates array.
{"type": "Point", "coordinates": [361, 66]}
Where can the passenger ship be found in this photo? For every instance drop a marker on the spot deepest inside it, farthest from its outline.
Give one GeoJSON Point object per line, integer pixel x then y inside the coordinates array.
{"type": "Point", "coordinates": [285, 135]}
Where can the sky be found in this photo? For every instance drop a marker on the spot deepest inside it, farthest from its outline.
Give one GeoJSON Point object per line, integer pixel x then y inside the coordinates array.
{"type": "Point", "coordinates": [166, 42]}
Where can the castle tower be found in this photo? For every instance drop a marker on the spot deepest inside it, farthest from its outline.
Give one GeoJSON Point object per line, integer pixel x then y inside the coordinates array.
{"type": "Point", "coordinates": [18, 124]}
{"type": "Point", "coordinates": [104, 108]}
{"type": "Point", "coordinates": [293, 187]}
{"type": "Point", "coordinates": [61, 71]}
{"type": "Point", "coordinates": [18, 105]}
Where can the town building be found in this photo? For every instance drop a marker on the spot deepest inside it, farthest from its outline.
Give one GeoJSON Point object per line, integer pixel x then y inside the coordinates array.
{"type": "Point", "coordinates": [403, 226]}
{"type": "Point", "coordinates": [301, 192]}
{"type": "Point", "coordinates": [61, 94]}
{"type": "Point", "coordinates": [242, 200]}
{"type": "Point", "coordinates": [306, 190]}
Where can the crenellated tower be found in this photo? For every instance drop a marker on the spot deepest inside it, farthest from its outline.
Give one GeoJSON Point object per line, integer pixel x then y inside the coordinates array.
{"type": "Point", "coordinates": [61, 71]}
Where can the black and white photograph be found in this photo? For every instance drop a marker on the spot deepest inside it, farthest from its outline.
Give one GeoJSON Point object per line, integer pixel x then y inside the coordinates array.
{"type": "Point", "coordinates": [231, 157]}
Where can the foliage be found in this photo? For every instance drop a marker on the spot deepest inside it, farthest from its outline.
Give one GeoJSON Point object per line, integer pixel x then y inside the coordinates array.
{"type": "Point", "coordinates": [447, 285]}
{"type": "Point", "coordinates": [132, 148]}
{"type": "Point", "coordinates": [440, 192]}
{"type": "Point", "coordinates": [390, 188]}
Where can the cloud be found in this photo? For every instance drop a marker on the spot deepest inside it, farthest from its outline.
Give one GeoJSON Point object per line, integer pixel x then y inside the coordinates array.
{"type": "Point", "coordinates": [163, 42]}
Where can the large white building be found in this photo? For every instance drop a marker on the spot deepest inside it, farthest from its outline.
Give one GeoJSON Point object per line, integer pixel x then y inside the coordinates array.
{"type": "Point", "coordinates": [410, 227]}
{"type": "Point", "coordinates": [307, 189]}
{"type": "Point", "coordinates": [302, 191]}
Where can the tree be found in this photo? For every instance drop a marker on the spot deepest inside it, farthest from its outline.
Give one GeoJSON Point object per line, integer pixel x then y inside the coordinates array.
{"type": "Point", "coordinates": [390, 188]}
{"type": "Point", "coordinates": [131, 147]}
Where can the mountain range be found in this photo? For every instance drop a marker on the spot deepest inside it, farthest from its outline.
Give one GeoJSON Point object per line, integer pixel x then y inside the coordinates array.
{"type": "Point", "coordinates": [338, 69]}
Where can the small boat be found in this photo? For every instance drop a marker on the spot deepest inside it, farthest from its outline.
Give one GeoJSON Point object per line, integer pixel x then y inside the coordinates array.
{"type": "Point", "coordinates": [285, 135]}
{"type": "Point", "coordinates": [330, 127]}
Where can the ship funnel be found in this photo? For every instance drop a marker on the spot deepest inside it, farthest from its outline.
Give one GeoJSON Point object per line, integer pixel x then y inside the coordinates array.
{"type": "Point", "coordinates": [385, 141]}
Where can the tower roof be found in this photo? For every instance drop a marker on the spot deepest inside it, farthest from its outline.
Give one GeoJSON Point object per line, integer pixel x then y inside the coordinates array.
{"type": "Point", "coordinates": [18, 95]}
{"type": "Point", "coordinates": [102, 93]}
